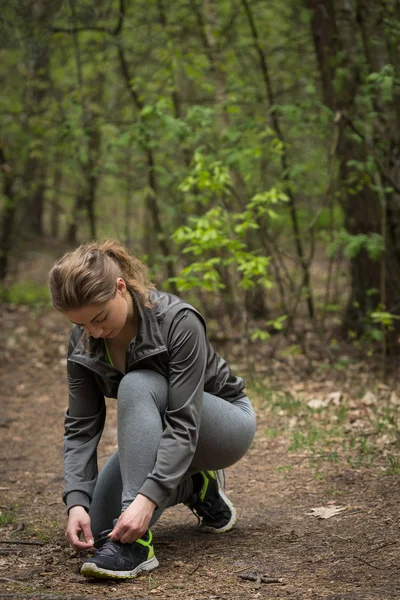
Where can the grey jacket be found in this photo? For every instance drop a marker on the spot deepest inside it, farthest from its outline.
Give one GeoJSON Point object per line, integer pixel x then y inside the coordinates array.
{"type": "Point", "coordinates": [171, 340]}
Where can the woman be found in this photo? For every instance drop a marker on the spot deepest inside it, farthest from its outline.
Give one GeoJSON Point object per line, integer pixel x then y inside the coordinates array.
{"type": "Point", "coordinates": [182, 415]}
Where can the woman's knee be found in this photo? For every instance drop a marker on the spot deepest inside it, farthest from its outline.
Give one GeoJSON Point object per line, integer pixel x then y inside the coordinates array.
{"type": "Point", "coordinates": [141, 384]}
{"type": "Point", "coordinates": [226, 433]}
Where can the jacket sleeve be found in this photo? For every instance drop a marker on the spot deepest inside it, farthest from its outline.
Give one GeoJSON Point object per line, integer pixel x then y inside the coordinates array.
{"type": "Point", "coordinates": [187, 363]}
{"type": "Point", "coordinates": [84, 424]}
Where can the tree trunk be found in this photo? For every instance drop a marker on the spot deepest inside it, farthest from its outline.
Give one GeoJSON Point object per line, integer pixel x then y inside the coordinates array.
{"type": "Point", "coordinates": [152, 197]}
{"type": "Point", "coordinates": [8, 216]}
{"type": "Point", "coordinates": [37, 202]}
{"type": "Point", "coordinates": [207, 23]}
{"type": "Point", "coordinates": [337, 30]}
{"type": "Point", "coordinates": [55, 204]}
{"type": "Point", "coordinates": [77, 213]}
{"type": "Point", "coordinates": [39, 14]}
{"type": "Point", "coordinates": [92, 176]}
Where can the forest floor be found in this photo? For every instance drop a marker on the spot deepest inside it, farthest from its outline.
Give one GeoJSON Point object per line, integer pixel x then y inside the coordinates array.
{"type": "Point", "coordinates": [329, 441]}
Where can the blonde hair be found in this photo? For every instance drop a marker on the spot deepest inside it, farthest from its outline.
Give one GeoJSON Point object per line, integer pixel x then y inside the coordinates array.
{"type": "Point", "coordinates": [88, 275]}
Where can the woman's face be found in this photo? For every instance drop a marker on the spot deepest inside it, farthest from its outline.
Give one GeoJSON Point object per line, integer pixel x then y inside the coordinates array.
{"type": "Point", "coordinates": [104, 320]}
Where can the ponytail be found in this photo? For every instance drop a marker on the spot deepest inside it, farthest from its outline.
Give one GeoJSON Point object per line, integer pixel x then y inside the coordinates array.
{"type": "Point", "coordinates": [88, 275]}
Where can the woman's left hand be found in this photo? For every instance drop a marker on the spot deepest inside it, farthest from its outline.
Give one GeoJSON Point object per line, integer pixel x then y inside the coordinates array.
{"type": "Point", "coordinates": [134, 521]}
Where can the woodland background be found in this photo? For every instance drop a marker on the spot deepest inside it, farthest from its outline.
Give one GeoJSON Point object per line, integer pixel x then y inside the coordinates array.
{"type": "Point", "coordinates": [248, 151]}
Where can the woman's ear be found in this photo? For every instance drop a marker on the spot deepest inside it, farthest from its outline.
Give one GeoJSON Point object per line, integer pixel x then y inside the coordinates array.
{"type": "Point", "coordinates": [121, 286]}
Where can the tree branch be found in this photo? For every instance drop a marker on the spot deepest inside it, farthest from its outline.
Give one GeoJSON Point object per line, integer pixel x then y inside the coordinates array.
{"type": "Point", "coordinates": [116, 31]}
{"type": "Point", "coordinates": [371, 150]}
{"type": "Point", "coordinates": [79, 29]}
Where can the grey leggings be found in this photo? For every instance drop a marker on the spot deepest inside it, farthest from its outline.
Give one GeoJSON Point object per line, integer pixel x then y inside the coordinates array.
{"type": "Point", "coordinates": [226, 432]}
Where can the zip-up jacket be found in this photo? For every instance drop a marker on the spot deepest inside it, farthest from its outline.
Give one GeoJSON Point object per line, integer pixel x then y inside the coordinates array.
{"type": "Point", "coordinates": [170, 340]}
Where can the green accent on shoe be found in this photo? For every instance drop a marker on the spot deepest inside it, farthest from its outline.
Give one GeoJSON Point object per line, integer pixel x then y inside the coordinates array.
{"type": "Point", "coordinates": [148, 544]}
{"type": "Point", "coordinates": [214, 510]}
{"type": "Point", "coordinates": [203, 491]}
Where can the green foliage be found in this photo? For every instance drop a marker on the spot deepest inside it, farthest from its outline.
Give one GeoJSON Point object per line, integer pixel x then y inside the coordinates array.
{"type": "Point", "coordinates": [219, 236]}
{"type": "Point", "coordinates": [351, 245]}
{"type": "Point", "coordinates": [215, 233]}
{"type": "Point", "coordinates": [169, 133]}
{"type": "Point", "coordinates": [272, 324]}
{"type": "Point", "coordinates": [28, 292]}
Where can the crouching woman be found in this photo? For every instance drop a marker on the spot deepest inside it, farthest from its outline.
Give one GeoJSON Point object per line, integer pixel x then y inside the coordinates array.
{"type": "Point", "coordinates": [183, 416]}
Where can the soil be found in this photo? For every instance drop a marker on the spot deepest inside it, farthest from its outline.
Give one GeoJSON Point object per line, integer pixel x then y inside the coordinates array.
{"type": "Point", "coordinates": [351, 556]}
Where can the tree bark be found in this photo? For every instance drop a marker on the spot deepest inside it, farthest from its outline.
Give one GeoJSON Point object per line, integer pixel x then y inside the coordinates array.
{"type": "Point", "coordinates": [38, 15]}
{"type": "Point", "coordinates": [337, 26]}
{"type": "Point", "coordinates": [8, 216]}
{"type": "Point", "coordinates": [77, 213]}
{"type": "Point", "coordinates": [55, 205]}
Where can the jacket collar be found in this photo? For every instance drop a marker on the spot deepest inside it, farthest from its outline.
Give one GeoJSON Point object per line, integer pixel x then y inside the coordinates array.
{"type": "Point", "coordinates": [148, 339]}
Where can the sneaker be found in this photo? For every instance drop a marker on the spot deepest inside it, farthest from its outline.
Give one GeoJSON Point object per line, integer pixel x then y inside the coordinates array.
{"type": "Point", "coordinates": [116, 560]}
{"type": "Point", "coordinates": [209, 503]}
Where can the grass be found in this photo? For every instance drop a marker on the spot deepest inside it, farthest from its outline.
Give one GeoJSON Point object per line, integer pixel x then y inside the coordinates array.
{"type": "Point", "coordinates": [46, 532]}
{"type": "Point", "coordinates": [349, 431]}
{"type": "Point", "coordinates": [394, 465]}
{"type": "Point", "coordinates": [8, 516]}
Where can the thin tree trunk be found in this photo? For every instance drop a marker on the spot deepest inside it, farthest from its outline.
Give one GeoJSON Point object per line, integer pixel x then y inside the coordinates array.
{"type": "Point", "coordinates": [55, 205]}
{"type": "Point", "coordinates": [151, 199]}
{"type": "Point", "coordinates": [77, 214]}
{"type": "Point", "coordinates": [39, 13]}
{"type": "Point", "coordinates": [284, 158]}
{"type": "Point", "coordinates": [254, 299]}
{"type": "Point", "coordinates": [8, 216]}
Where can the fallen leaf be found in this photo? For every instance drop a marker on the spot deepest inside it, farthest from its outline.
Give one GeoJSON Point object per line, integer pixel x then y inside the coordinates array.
{"type": "Point", "coordinates": [369, 399]}
{"type": "Point", "coordinates": [298, 387]}
{"type": "Point", "coordinates": [334, 398]}
{"type": "Point", "coordinates": [394, 399]}
{"type": "Point", "coordinates": [316, 403]}
{"type": "Point", "coordinates": [178, 563]}
{"type": "Point", "coordinates": [325, 512]}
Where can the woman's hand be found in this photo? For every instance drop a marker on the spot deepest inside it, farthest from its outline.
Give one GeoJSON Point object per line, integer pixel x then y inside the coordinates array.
{"type": "Point", "coordinates": [79, 522]}
{"type": "Point", "coordinates": [134, 521]}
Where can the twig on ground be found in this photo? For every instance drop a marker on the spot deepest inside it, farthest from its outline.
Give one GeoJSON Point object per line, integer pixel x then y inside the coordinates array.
{"type": "Point", "coordinates": [261, 578]}
{"type": "Point", "coordinates": [194, 570]}
{"type": "Point", "coordinates": [365, 562]}
{"type": "Point", "coordinates": [374, 549]}
{"type": "Point", "coordinates": [20, 596]}
{"type": "Point", "coordinates": [341, 538]}
{"type": "Point", "coordinates": [21, 542]}
{"type": "Point", "coordinates": [8, 580]}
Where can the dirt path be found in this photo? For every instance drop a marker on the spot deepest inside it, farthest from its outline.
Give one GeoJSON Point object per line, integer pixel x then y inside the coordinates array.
{"type": "Point", "coordinates": [352, 556]}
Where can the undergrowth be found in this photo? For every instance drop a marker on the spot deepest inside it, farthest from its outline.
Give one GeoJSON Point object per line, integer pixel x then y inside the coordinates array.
{"type": "Point", "coordinates": [360, 431]}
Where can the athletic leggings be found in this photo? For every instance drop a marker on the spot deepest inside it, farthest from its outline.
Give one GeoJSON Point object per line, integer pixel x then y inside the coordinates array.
{"type": "Point", "coordinates": [226, 431]}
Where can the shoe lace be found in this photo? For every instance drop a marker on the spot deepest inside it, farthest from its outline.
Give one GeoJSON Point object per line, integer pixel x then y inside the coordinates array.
{"type": "Point", "coordinates": [109, 548]}
{"type": "Point", "coordinates": [205, 509]}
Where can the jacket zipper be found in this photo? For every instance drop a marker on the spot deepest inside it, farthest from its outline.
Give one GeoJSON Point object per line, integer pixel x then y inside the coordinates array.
{"type": "Point", "coordinates": [84, 364]}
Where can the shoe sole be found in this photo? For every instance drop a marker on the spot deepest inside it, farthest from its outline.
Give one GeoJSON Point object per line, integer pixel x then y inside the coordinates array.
{"type": "Point", "coordinates": [92, 570]}
{"type": "Point", "coordinates": [220, 476]}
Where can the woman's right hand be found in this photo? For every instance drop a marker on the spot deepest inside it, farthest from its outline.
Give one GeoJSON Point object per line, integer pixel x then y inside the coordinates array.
{"type": "Point", "coordinates": [79, 522]}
